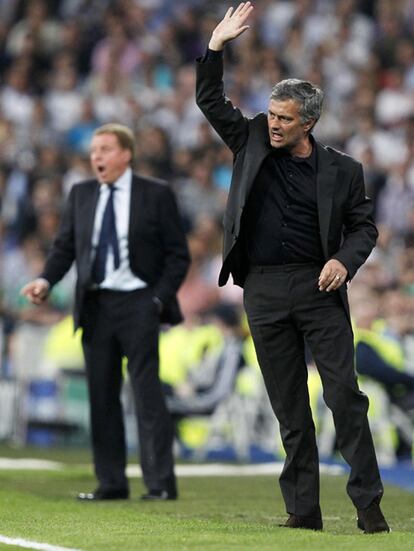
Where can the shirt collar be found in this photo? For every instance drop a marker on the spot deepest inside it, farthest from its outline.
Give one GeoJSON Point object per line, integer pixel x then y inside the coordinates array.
{"type": "Point", "coordinates": [311, 160]}
{"type": "Point", "coordinates": [122, 183]}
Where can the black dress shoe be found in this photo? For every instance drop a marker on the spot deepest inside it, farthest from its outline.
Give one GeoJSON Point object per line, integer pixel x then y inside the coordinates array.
{"type": "Point", "coordinates": [159, 495]}
{"type": "Point", "coordinates": [100, 495]}
{"type": "Point", "coordinates": [309, 523]}
{"type": "Point", "coordinates": [371, 520]}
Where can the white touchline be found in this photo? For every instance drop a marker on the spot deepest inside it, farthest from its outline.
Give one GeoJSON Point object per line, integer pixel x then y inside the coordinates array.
{"type": "Point", "coordinates": [27, 544]}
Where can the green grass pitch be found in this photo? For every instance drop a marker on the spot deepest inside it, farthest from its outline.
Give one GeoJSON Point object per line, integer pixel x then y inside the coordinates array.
{"type": "Point", "coordinates": [213, 513]}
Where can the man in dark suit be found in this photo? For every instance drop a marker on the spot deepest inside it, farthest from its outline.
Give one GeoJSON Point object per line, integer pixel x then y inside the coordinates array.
{"type": "Point", "coordinates": [296, 229]}
{"type": "Point", "coordinates": [124, 234]}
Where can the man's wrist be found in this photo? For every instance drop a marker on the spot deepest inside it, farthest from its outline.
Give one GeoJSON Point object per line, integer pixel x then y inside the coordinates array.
{"type": "Point", "coordinates": [215, 45]}
{"type": "Point", "coordinates": [43, 281]}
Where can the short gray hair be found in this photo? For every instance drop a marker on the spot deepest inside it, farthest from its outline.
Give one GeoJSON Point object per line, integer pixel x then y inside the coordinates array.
{"type": "Point", "coordinates": [307, 95]}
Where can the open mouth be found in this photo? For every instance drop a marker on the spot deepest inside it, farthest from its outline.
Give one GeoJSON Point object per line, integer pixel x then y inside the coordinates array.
{"type": "Point", "coordinates": [276, 137]}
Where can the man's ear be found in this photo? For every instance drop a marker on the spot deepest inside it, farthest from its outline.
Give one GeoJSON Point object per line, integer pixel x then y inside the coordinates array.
{"type": "Point", "coordinates": [128, 155]}
{"type": "Point", "coordinates": [309, 125]}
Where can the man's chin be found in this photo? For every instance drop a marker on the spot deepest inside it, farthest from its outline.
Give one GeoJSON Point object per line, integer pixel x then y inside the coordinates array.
{"type": "Point", "coordinates": [276, 145]}
{"type": "Point", "coordinates": [99, 177]}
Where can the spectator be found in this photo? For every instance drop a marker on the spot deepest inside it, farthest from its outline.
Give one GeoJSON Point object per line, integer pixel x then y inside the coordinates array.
{"type": "Point", "coordinates": [63, 99]}
{"type": "Point", "coordinates": [16, 97]}
{"type": "Point", "coordinates": [36, 21]}
{"type": "Point", "coordinates": [214, 379]}
{"type": "Point", "coordinates": [116, 47]}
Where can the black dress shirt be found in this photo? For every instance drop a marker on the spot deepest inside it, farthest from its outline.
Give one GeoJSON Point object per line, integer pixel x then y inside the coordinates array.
{"type": "Point", "coordinates": [280, 217]}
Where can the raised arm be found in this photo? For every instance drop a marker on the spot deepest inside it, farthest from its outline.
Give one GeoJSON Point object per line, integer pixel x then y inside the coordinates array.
{"type": "Point", "coordinates": [227, 120]}
{"type": "Point", "coordinates": [231, 26]}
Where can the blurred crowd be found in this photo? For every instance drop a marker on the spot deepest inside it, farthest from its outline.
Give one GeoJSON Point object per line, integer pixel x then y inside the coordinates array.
{"type": "Point", "coordinates": [68, 66]}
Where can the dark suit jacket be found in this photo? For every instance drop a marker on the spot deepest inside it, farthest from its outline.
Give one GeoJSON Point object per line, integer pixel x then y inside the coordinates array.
{"type": "Point", "coordinates": [158, 251]}
{"type": "Point", "coordinates": [347, 230]}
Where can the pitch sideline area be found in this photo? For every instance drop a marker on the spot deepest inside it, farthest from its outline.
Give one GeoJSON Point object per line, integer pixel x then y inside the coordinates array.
{"type": "Point", "coordinates": [207, 469]}
{"type": "Point", "coordinates": [26, 544]}
{"type": "Point", "coordinates": [401, 475]}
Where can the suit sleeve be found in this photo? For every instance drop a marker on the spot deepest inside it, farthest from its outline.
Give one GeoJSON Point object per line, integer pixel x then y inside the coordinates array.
{"type": "Point", "coordinates": [62, 253]}
{"type": "Point", "coordinates": [175, 250]}
{"type": "Point", "coordinates": [360, 232]}
{"type": "Point", "coordinates": [227, 120]}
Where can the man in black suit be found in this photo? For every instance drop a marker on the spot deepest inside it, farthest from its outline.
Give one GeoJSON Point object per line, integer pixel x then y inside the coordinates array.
{"type": "Point", "coordinates": [124, 233]}
{"type": "Point", "coordinates": [296, 229]}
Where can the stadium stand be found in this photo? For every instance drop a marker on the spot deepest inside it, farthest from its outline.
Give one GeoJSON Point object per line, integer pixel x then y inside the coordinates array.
{"type": "Point", "coordinates": [67, 66]}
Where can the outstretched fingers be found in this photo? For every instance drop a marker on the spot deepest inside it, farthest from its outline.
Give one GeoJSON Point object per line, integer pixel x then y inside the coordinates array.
{"type": "Point", "coordinates": [231, 26]}
{"type": "Point", "coordinates": [242, 11]}
{"type": "Point", "coordinates": [228, 13]}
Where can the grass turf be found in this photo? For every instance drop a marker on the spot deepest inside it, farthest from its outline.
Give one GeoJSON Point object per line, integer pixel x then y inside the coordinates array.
{"type": "Point", "coordinates": [212, 513]}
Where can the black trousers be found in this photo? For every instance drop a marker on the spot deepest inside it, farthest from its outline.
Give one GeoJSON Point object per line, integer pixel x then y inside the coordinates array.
{"type": "Point", "coordinates": [284, 307]}
{"type": "Point", "coordinates": [117, 324]}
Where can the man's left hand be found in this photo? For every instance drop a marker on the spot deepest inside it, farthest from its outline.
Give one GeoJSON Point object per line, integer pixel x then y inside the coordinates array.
{"type": "Point", "coordinates": [332, 276]}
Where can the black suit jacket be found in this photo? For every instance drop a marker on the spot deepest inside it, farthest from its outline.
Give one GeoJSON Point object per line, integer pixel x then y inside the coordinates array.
{"type": "Point", "coordinates": [158, 251]}
{"type": "Point", "coordinates": [347, 230]}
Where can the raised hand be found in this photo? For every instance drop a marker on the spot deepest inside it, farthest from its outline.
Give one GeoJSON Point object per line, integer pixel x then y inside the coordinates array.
{"type": "Point", "coordinates": [231, 26]}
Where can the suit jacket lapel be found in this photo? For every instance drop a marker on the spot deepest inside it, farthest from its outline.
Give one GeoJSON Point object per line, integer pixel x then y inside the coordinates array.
{"type": "Point", "coordinates": [87, 216]}
{"type": "Point", "coordinates": [86, 208]}
{"type": "Point", "coordinates": [258, 148]}
{"type": "Point", "coordinates": [325, 182]}
{"type": "Point", "coordinates": [135, 202]}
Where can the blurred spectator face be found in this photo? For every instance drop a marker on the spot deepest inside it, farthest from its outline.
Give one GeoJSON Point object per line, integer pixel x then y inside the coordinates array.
{"type": "Point", "coordinates": [182, 161]}
{"type": "Point", "coordinates": [36, 13]}
{"type": "Point", "coordinates": [366, 310]}
{"type": "Point", "coordinates": [47, 225]}
{"type": "Point", "coordinates": [201, 173]}
{"type": "Point", "coordinates": [49, 156]}
{"type": "Point", "coordinates": [286, 128]}
{"type": "Point", "coordinates": [185, 82]}
{"type": "Point", "coordinates": [154, 141]}
{"type": "Point", "coordinates": [118, 36]}
{"type": "Point", "coordinates": [393, 303]}
{"type": "Point", "coordinates": [66, 79]}
{"type": "Point", "coordinates": [45, 195]}
{"type": "Point", "coordinates": [71, 34]}
{"type": "Point", "coordinates": [198, 249]}
{"type": "Point", "coordinates": [18, 78]}
{"type": "Point", "coordinates": [385, 236]}
{"type": "Point", "coordinates": [31, 247]}
{"type": "Point", "coordinates": [208, 229]}
{"type": "Point", "coordinates": [405, 53]}
{"type": "Point", "coordinates": [108, 160]}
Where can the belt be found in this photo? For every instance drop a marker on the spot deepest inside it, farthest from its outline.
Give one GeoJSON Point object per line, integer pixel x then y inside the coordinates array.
{"type": "Point", "coordinates": [275, 268]}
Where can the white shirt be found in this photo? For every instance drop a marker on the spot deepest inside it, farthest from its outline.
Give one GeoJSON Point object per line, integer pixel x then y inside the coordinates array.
{"type": "Point", "coordinates": [121, 279]}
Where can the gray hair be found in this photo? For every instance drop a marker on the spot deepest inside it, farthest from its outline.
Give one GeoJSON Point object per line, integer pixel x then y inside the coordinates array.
{"type": "Point", "coordinates": [307, 95]}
